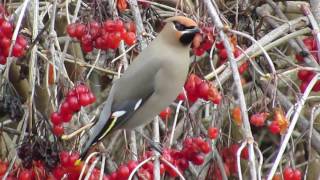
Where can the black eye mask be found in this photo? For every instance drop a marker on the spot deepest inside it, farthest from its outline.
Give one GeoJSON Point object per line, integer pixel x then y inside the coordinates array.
{"type": "Point", "coordinates": [181, 27]}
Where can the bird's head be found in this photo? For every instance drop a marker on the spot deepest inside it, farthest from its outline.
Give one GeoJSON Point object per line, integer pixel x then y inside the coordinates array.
{"type": "Point", "coordinates": [181, 29]}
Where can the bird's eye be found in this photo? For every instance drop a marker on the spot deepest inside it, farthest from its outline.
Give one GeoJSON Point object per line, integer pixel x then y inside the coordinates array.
{"type": "Point", "coordinates": [179, 27]}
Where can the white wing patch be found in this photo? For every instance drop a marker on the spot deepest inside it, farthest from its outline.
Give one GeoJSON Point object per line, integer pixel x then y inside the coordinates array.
{"type": "Point", "coordinates": [118, 113]}
{"type": "Point", "coordinates": [137, 104]}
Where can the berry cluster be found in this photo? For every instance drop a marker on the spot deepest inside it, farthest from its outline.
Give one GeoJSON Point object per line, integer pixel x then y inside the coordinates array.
{"type": "Point", "coordinates": [306, 76]}
{"type": "Point", "coordinates": [291, 174]}
{"type": "Point", "coordinates": [311, 45]}
{"type": "Point", "coordinates": [70, 168]}
{"type": "Point", "coordinates": [76, 97]}
{"type": "Point", "coordinates": [198, 88]}
{"type": "Point", "coordinates": [229, 156]}
{"type": "Point", "coordinates": [258, 119]}
{"type": "Point", "coordinates": [102, 36]}
{"type": "Point", "coordinates": [204, 41]}
{"type": "Point", "coordinates": [279, 123]}
{"type": "Point", "coordinates": [6, 32]}
{"type": "Point", "coordinates": [193, 151]}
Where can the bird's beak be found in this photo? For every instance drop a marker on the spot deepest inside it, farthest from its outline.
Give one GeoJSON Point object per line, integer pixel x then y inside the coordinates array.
{"type": "Point", "coordinates": [192, 31]}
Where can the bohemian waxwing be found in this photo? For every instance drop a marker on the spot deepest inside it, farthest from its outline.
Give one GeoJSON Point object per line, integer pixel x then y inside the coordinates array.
{"type": "Point", "coordinates": [150, 83]}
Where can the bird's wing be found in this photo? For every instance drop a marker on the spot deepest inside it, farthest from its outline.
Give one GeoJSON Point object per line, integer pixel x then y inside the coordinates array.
{"type": "Point", "coordinates": [135, 90]}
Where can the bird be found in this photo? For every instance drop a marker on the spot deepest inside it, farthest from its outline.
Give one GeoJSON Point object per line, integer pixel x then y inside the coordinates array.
{"type": "Point", "coordinates": [151, 82]}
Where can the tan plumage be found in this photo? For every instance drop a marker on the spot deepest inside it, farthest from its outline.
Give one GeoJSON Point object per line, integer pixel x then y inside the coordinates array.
{"type": "Point", "coordinates": [150, 83]}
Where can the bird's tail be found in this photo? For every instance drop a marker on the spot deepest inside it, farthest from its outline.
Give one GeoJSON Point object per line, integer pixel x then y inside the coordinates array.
{"type": "Point", "coordinates": [96, 131]}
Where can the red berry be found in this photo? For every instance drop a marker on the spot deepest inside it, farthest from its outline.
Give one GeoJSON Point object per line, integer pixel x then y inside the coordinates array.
{"type": "Point", "coordinates": [82, 89]}
{"type": "Point", "coordinates": [198, 159]}
{"type": "Point", "coordinates": [303, 86]}
{"type": "Point", "coordinates": [205, 147]}
{"type": "Point", "coordinates": [17, 50]}
{"type": "Point", "coordinates": [87, 47]}
{"type": "Point", "coordinates": [94, 29]}
{"type": "Point", "coordinates": [131, 27]}
{"type": "Point", "coordinates": [58, 130]}
{"type": "Point", "coordinates": [65, 108]}
{"type": "Point", "coordinates": [118, 25]}
{"type": "Point", "coordinates": [7, 28]}
{"type": "Point", "coordinates": [3, 168]}
{"type": "Point", "coordinates": [219, 45]}
{"type": "Point", "coordinates": [3, 60]}
{"type": "Point", "coordinates": [296, 175]}
{"type": "Point", "coordinates": [213, 132]}
{"type": "Point", "coordinates": [71, 30]}
{"type": "Point", "coordinates": [99, 43]}
{"type": "Point", "coordinates": [223, 54]}
{"type": "Point", "coordinates": [198, 51]}
{"type": "Point", "coordinates": [258, 119]}
{"type": "Point", "coordinates": [5, 42]}
{"type": "Point", "coordinates": [287, 173]}
{"type": "Point", "coordinates": [73, 103]}
{"type": "Point", "coordinates": [25, 175]}
{"type": "Point", "coordinates": [305, 75]}
{"type": "Point", "coordinates": [80, 30]}
{"type": "Point", "coordinates": [56, 118]}
{"type": "Point", "coordinates": [84, 99]}
{"type": "Point", "coordinates": [64, 158]}
{"type": "Point", "coordinates": [245, 153]}
{"type": "Point", "coordinates": [316, 87]}
{"type": "Point", "coordinates": [132, 164]}
{"type": "Point", "coordinates": [86, 39]}
{"type": "Point", "coordinates": [66, 117]}
{"type": "Point", "coordinates": [109, 26]}
{"type": "Point", "coordinates": [243, 67]}
{"type": "Point", "coordinates": [22, 41]}
{"type": "Point", "coordinates": [181, 97]}
{"type": "Point", "coordinates": [73, 158]}
{"type": "Point", "coordinates": [299, 58]}
{"type": "Point", "coordinates": [237, 52]}
{"type": "Point", "coordinates": [92, 97]}
{"type": "Point", "coordinates": [58, 172]}
{"type": "Point", "coordinates": [130, 39]}
{"type": "Point", "coordinates": [203, 90]}
{"type": "Point", "coordinates": [183, 164]}
{"type": "Point", "coordinates": [165, 114]}
{"type": "Point", "coordinates": [274, 127]}
{"type": "Point", "coordinates": [123, 172]}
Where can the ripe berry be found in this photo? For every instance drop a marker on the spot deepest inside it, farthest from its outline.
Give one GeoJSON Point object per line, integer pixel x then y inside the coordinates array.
{"type": "Point", "coordinates": [316, 87]}
{"type": "Point", "coordinates": [66, 117]}
{"type": "Point", "coordinates": [56, 118]}
{"type": "Point", "coordinates": [84, 99]}
{"type": "Point", "coordinates": [86, 39]}
{"type": "Point", "coordinates": [109, 25]}
{"type": "Point", "coordinates": [7, 29]}
{"type": "Point", "coordinates": [22, 41]}
{"type": "Point", "coordinates": [223, 54]}
{"type": "Point", "coordinates": [296, 175]}
{"type": "Point", "coordinates": [80, 30]}
{"type": "Point", "coordinates": [274, 127]}
{"type": "Point", "coordinates": [3, 60]}
{"type": "Point", "coordinates": [123, 172]}
{"type": "Point", "coordinates": [213, 132]}
{"type": "Point", "coordinates": [165, 114]}
{"type": "Point", "coordinates": [130, 39]}
{"type": "Point", "coordinates": [5, 42]}
{"type": "Point", "coordinates": [25, 175]}
{"type": "Point", "coordinates": [132, 164]}
{"type": "Point", "coordinates": [58, 130]}
{"type": "Point", "coordinates": [17, 50]}
{"type": "Point", "coordinates": [82, 89]}
{"type": "Point", "coordinates": [258, 119]}
{"type": "Point", "coordinates": [71, 30]}
{"type": "Point", "coordinates": [203, 90]}
{"type": "Point", "coordinates": [303, 86]}
{"type": "Point", "coordinates": [73, 103]}
{"type": "Point", "coordinates": [65, 108]}
{"type": "Point", "coordinates": [287, 173]}
{"type": "Point", "coordinates": [305, 75]}
{"type": "Point", "coordinates": [198, 159]}
{"type": "Point", "coordinates": [118, 25]}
